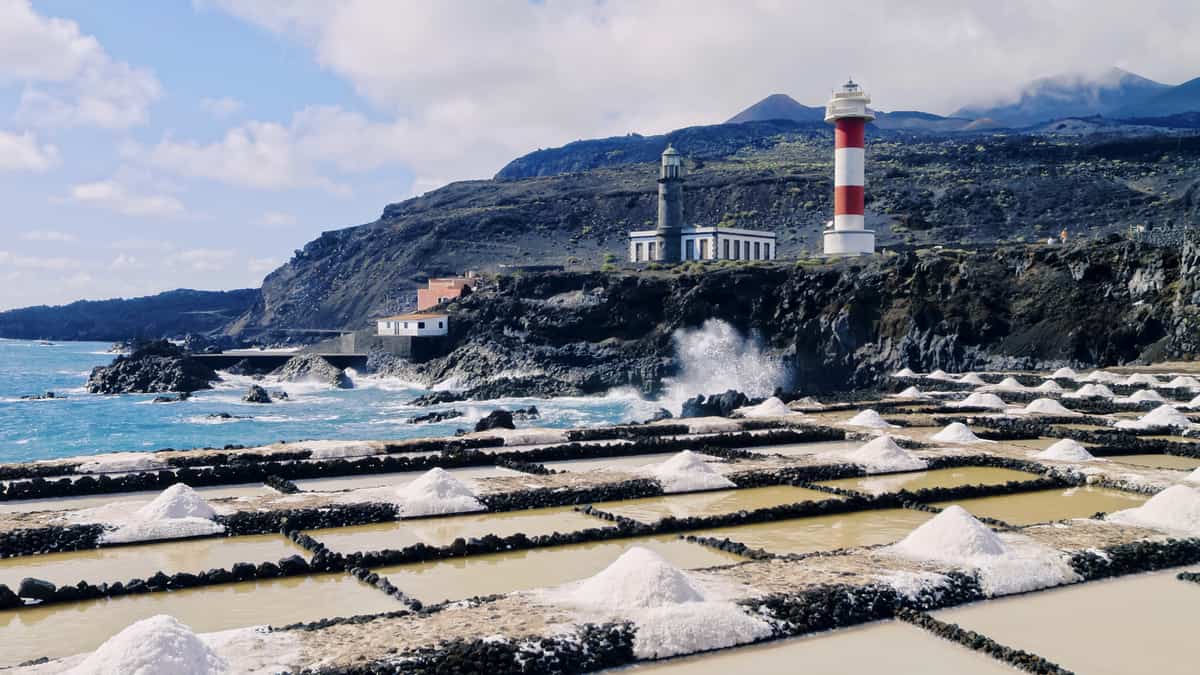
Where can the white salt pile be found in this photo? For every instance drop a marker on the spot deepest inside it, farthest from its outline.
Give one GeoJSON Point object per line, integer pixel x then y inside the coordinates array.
{"type": "Point", "coordinates": [1049, 386]}
{"type": "Point", "coordinates": [1184, 382]}
{"type": "Point", "coordinates": [687, 472]}
{"type": "Point", "coordinates": [1066, 450]}
{"type": "Point", "coordinates": [1065, 374]}
{"type": "Point", "coordinates": [956, 432]}
{"type": "Point", "coordinates": [1008, 384]}
{"type": "Point", "coordinates": [176, 512]}
{"type": "Point", "coordinates": [971, 378]}
{"type": "Point", "coordinates": [772, 407]}
{"type": "Point", "coordinates": [978, 400]}
{"type": "Point", "coordinates": [1141, 378]}
{"type": "Point", "coordinates": [1162, 416]}
{"type": "Point", "coordinates": [940, 374]}
{"type": "Point", "coordinates": [159, 645]}
{"type": "Point", "coordinates": [1008, 564]}
{"type": "Point", "coordinates": [1048, 406]}
{"type": "Point", "coordinates": [869, 419]}
{"type": "Point", "coordinates": [1194, 403]}
{"type": "Point", "coordinates": [436, 492]}
{"type": "Point", "coordinates": [1143, 395]}
{"type": "Point", "coordinates": [1091, 391]}
{"type": "Point", "coordinates": [904, 372]}
{"type": "Point", "coordinates": [672, 614]}
{"type": "Point", "coordinates": [1176, 509]}
{"type": "Point", "coordinates": [1101, 376]}
{"type": "Point", "coordinates": [882, 455]}
{"type": "Point", "coordinates": [1193, 477]}
{"type": "Point", "coordinates": [911, 392]}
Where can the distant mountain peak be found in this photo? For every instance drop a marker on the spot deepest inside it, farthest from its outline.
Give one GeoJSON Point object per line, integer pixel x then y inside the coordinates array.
{"type": "Point", "coordinates": [779, 107]}
{"type": "Point", "coordinates": [1067, 95]}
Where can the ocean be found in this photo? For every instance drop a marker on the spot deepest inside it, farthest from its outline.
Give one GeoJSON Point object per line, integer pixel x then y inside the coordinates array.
{"type": "Point", "coordinates": [85, 424]}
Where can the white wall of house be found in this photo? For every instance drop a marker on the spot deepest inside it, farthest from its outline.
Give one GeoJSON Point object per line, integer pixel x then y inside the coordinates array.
{"type": "Point", "coordinates": [709, 243]}
{"type": "Point", "coordinates": [424, 327]}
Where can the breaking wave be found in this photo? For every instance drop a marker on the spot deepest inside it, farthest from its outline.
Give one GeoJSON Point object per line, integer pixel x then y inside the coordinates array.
{"type": "Point", "coordinates": [715, 358]}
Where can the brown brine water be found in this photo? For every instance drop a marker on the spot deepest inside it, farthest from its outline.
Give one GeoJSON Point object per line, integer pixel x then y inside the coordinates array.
{"type": "Point", "coordinates": [459, 578]}
{"type": "Point", "coordinates": [939, 478]}
{"type": "Point", "coordinates": [824, 533]}
{"type": "Point", "coordinates": [122, 563]}
{"type": "Point", "coordinates": [653, 509]}
{"type": "Point", "coordinates": [1158, 461]}
{"type": "Point", "coordinates": [71, 628]}
{"type": "Point", "coordinates": [1140, 624]}
{"type": "Point", "coordinates": [890, 647]}
{"type": "Point", "coordinates": [397, 479]}
{"type": "Point", "coordinates": [443, 531]}
{"type": "Point", "coordinates": [1044, 505]}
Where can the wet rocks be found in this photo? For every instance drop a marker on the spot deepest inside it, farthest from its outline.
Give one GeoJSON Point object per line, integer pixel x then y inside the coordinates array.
{"type": "Point", "coordinates": [36, 589]}
{"type": "Point", "coordinates": [497, 419]}
{"type": "Point", "coordinates": [535, 386]}
{"type": "Point", "coordinates": [225, 416]}
{"type": "Point", "coordinates": [41, 397]}
{"type": "Point", "coordinates": [8, 599]}
{"type": "Point", "coordinates": [437, 398]}
{"type": "Point", "coordinates": [183, 396]}
{"type": "Point", "coordinates": [715, 405]}
{"type": "Point", "coordinates": [154, 367]}
{"type": "Point", "coordinates": [526, 414]}
{"type": "Point", "coordinates": [256, 394]}
{"type": "Point", "coordinates": [435, 417]}
{"type": "Point", "coordinates": [313, 368]}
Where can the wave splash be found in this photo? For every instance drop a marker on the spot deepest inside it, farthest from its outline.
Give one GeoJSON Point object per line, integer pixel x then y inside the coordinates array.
{"type": "Point", "coordinates": [715, 358]}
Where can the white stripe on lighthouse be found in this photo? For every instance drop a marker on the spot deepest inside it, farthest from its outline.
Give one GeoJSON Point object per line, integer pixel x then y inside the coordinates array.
{"type": "Point", "coordinates": [849, 166]}
{"type": "Point", "coordinates": [846, 221]}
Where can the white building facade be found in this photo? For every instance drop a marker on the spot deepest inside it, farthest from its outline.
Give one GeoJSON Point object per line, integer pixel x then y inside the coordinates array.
{"type": "Point", "coordinates": [706, 243]}
{"type": "Point", "coordinates": [414, 325]}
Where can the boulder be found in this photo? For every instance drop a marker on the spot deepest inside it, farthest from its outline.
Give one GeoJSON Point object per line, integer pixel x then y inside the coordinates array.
{"type": "Point", "coordinates": [256, 394]}
{"type": "Point", "coordinates": [293, 564]}
{"type": "Point", "coordinates": [152, 368]}
{"type": "Point", "coordinates": [434, 417]}
{"type": "Point", "coordinates": [716, 405]}
{"type": "Point", "coordinates": [497, 419]}
{"type": "Point", "coordinates": [41, 397]}
{"type": "Point", "coordinates": [535, 386]}
{"type": "Point", "coordinates": [437, 398]}
{"type": "Point", "coordinates": [526, 414]}
{"type": "Point", "coordinates": [313, 368]}
{"type": "Point", "coordinates": [36, 589]}
{"type": "Point", "coordinates": [8, 599]}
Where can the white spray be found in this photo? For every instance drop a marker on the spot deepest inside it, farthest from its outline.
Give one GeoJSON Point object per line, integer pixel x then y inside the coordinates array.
{"type": "Point", "coordinates": [715, 358]}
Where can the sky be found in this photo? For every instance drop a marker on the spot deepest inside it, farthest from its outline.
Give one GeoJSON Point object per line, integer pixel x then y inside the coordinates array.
{"type": "Point", "coordinates": [146, 146]}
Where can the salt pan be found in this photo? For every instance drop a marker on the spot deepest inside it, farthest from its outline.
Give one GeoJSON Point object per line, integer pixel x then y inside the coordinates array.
{"type": "Point", "coordinates": [978, 400]}
{"type": "Point", "coordinates": [1162, 416]}
{"type": "Point", "coordinates": [882, 455]}
{"type": "Point", "coordinates": [1176, 509]}
{"type": "Point", "coordinates": [772, 407]}
{"type": "Point", "coordinates": [159, 645]}
{"type": "Point", "coordinates": [869, 419]}
{"type": "Point", "coordinates": [1065, 374]}
{"type": "Point", "coordinates": [688, 472]}
{"type": "Point", "coordinates": [1066, 450]}
{"type": "Point", "coordinates": [1048, 406]}
{"type": "Point", "coordinates": [436, 492]}
{"type": "Point", "coordinates": [956, 432]}
{"type": "Point", "coordinates": [177, 501]}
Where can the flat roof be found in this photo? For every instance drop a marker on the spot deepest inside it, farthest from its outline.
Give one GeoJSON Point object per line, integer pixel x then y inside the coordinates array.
{"type": "Point", "coordinates": [413, 317]}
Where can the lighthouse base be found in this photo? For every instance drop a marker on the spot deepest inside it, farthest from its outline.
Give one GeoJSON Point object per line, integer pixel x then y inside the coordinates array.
{"type": "Point", "coordinates": [849, 242]}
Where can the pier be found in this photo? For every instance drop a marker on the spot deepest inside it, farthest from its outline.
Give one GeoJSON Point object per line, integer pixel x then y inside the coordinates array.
{"type": "Point", "coordinates": [260, 359]}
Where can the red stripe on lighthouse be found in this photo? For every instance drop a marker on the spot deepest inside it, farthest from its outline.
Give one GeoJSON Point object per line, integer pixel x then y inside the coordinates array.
{"type": "Point", "coordinates": [850, 132]}
{"type": "Point", "coordinates": [848, 200]}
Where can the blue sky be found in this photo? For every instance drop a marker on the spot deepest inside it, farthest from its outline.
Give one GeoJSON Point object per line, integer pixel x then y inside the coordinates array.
{"type": "Point", "coordinates": [146, 146]}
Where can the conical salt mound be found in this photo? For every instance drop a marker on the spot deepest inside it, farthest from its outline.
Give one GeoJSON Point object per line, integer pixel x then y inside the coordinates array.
{"type": "Point", "coordinates": [1065, 374]}
{"type": "Point", "coordinates": [911, 392]}
{"type": "Point", "coordinates": [971, 378]}
{"type": "Point", "coordinates": [639, 578]}
{"type": "Point", "coordinates": [1010, 384]}
{"type": "Point", "coordinates": [952, 534]}
{"type": "Point", "coordinates": [1066, 450]}
{"type": "Point", "coordinates": [1143, 395]}
{"type": "Point", "coordinates": [1162, 416]}
{"type": "Point", "coordinates": [1048, 406]}
{"type": "Point", "coordinates": [1184, 381]}
{"type": "Point", "coordinates": [686, 472]}
{"type": "Point", "coordinates": [870, 419]}
{"type": "Point", "coordinates": [1194, 403]}
{"type": "Point", "coordinates": [1050, 386]}
{"type": "Point", "coordinates": [177, 501]}
{"type": "Point", "coordinates": [1101, 376]}
{"type": "Point", "coordinates": [883, 455]}
{"type": "Point", "coordinates": [978, 400]}
{"type": "Point", "coordinates": [1141, 378]}
{"type": "Point", "coordinates": [1091, 391]}
{"type": "Point", "coordinates": [1193, 477]}
{"type": "Point", "coordinates": [159, 645]}
{"type": "Point", "coordinates": [939, 374]}
{"type": "Point", "coordinates": [1176, 509]}
{"type": "Point", "coordinates": [772, 407]}
{"type": "Point", "coordinates": [436, 492]}
{"type": "Point", "coordinates": [956, 432]}
{"type": "Point", "coordinates": [904, 372]}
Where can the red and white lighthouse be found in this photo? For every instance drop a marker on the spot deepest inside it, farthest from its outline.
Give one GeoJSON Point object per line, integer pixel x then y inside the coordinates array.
{"type": "Point", "coordinates": [848, 112]}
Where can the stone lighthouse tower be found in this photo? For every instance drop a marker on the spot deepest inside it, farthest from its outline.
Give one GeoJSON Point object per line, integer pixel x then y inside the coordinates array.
{"type": "Point", "coordinates": [848, 112]}
{"type": "Point", "coordinates": [668, 236]}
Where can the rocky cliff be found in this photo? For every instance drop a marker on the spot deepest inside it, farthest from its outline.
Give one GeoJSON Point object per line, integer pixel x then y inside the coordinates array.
{"type": "Point", "coordinates": [842, 324]}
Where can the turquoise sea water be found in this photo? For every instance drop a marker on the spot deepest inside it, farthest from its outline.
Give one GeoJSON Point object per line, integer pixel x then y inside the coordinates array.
{"type": "Point", "coordinates": [83, 424]}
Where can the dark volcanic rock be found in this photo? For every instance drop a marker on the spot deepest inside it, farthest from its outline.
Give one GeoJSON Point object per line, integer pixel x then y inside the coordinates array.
{"type": "Point", "coordinates": [437, 398]}
{"type": "Point", "coordinates": [537, 386]}
{"type": "Point", "coordinates": [434, 417]}
{"type": "Point", "coordinates": [36, 589]}
{"type": "Point", "coordinates": [526, 414]}
{"type": "Point", "coordinates": [153, 367]}
{"type": "Point", "coordinates": [41, 397]}
{"type": "Point", "coordinates": [245, 367]}
{"type": "Point", "coordinates": [717, 405]}
{"type": "Point", "coordinates": [225, 416]}
{"type": "Point", "coordinates": [497, 419]}
{"type": "Point", "coordinates": [256, 394]}
{"type": "Point", "coordinates": [8, 599]}
{"type": "Point", "coordinates": [310, 367]}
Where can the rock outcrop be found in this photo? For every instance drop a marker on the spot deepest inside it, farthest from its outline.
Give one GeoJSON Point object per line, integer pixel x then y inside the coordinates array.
{"type": "Point", "coordinates": [497, 419]}
{"type": "Point", "coordinates": [256, 394]}
{"type": "Point", "coordinates": [313, 368]}
{"type": "Point", "coordinates": [716, 405]}
{"type": "Point", "coordinates": [152, 368]}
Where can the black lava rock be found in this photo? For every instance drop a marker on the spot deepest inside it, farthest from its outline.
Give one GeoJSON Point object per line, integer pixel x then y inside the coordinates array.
{"type": "Point", "coordinates": [153, 367]}
{"type": "Point", "coordinates": [256, 394]}
{"type": "Point", "coordinates": [718, 405]}
{"type": "Point", "coordinates": [36, 589]}
{"type": "Point", "coordinates": [8, 599]}
{"type": "Point", "coordinates": [437, 398]}
{"type": "Point", "coordinates": [497, 419]}
{"type": "Point", "coordinates": [293, 564]}
{"type": "Point", "coordinates": [434, 417]}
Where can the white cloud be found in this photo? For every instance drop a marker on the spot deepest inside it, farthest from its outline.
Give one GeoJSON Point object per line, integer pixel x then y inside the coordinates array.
{"type": "Point", "coordinates": [22, 152]}
{"type": "Point", "coordinates": [69, 79]}
{"type": "Point", "coordinates": [114, 196]}
{"type": "Point", "coordinates": [261, 266]}
{"type": "Point", "coordinates": [124, 261]}
{"type": "Point", "coordinates": [202, 259]}
{"type": "Point", "coordinates": [472, 84]}
{"type": "Point", "coordinates": [49, 235]}
{"type": "Point", "coordinates": [275, 219]}
{"type": "Point", "coordinates": [150, 245]}
{"type": "Point", "coordinates": [56, 264]}
{"type": "Point", "coordinates": [221, 107]}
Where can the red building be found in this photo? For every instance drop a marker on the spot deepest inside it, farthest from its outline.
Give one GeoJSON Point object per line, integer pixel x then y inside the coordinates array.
{"type": "Point", "coordinates": [441, 290]}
